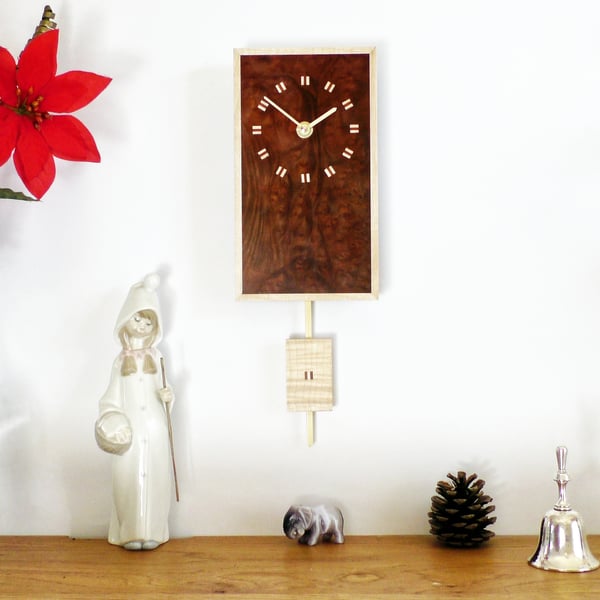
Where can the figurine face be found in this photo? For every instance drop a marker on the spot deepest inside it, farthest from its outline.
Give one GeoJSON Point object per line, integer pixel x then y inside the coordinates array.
{"type": "Point", "coordinates": [297, 531]}
{"type": "Point", "coordinates": [139, 326]}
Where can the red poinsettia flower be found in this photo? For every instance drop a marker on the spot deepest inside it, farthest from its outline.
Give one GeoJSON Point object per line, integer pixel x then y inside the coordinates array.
{"type": "Point", "coordinates": [34, 101]}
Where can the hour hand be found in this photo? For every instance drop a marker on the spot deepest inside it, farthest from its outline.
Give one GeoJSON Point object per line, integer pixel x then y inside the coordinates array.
{"type": "Point", "coordinates": [323, 116]}
{"type": "Point", "coordinates": [283, 112]}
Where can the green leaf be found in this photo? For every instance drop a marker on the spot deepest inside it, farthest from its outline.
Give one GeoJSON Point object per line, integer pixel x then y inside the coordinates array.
{"type": "Point", "coordinates": [8, 193]}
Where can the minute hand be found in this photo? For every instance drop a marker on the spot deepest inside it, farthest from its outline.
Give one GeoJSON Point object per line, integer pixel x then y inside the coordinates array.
{"type": "Point", "coordinates": [288, 116]}
{"type": "Point", "coordinates": [324, 116]}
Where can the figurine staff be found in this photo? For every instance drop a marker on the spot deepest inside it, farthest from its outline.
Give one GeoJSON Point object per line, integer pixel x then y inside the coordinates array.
{"type": "Point", "coordinates": [170, 426]}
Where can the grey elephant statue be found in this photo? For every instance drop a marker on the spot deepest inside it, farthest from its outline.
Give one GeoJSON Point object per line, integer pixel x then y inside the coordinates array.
{"type": "Point", "coordinates": [313, 524]}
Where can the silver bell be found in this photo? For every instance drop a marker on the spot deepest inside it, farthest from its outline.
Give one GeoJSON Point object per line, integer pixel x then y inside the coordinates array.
{"type": "Point", "coordinates": [563, 545]}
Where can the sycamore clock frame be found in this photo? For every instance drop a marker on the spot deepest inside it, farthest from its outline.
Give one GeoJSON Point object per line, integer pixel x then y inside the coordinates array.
{"type": "Point", "coordinates": [306, 173]}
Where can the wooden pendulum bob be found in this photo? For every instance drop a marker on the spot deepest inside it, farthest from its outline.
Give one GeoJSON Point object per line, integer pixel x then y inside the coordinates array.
{"type": "Point", "coordinates": [563, 545]}
{"type": "Point", "coordinates": [309, 374]}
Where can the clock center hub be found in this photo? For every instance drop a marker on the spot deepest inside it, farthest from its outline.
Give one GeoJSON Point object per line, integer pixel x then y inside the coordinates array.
{"type": "Point", "coordinates": [304, 130]}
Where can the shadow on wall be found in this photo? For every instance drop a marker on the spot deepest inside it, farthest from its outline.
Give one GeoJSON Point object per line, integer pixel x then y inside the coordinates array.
{"type": "Point", "coordinates": [211, 177]}
{"type": "Point", "coordinates": [19, 447]}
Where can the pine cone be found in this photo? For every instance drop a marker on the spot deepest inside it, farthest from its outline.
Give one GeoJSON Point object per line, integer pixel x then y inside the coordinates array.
{"type": "Point", "coordinates": [459, 515]}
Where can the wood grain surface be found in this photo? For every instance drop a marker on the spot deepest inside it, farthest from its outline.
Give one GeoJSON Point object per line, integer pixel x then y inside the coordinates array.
{"type": "Point", "coordinates": [298, 237]}
{"type": "Point", "coordinates": [365, 568]}
{"type": "Point", "coordinates": [309, 374]}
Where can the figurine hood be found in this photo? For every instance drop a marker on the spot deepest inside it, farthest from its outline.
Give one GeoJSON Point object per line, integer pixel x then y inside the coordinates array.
{"type": "Point", "coordinates": [142, 296]}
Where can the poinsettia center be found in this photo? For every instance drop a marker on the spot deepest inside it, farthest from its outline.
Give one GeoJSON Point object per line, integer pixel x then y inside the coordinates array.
{"type": "Point", "coordinates": [28, 105]}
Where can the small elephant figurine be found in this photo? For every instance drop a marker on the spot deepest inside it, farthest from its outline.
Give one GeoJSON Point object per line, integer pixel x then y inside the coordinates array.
{"type": "Point", "coordinates": [313, 524]}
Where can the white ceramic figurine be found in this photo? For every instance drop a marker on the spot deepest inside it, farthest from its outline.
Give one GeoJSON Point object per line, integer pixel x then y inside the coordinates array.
{"type": "Point", "coordinates": [133, 425]}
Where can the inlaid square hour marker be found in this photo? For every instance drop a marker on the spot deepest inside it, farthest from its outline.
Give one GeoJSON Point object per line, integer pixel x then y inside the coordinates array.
{"type": "Point", "coordinates": [354, 128]}
{"type": "Point", "coordinates": [263, 105]}
{"type": "Point", "coordinates": [256, 129]}
{"type": "Point", "coordinates": [280, 87]}
{"type": "Point", "coordinates": [329, 87]}
{"type": "Point", "coordinates": [305, 80]}
{"type": "Point", "coordinates": [281, 171]}
{"type": "Point", "coordinates": [347, 153]}
{"type": "Point", "coordinates": [304, 177]}
{"type": "Point", "coordinates": [263, 154]}
{"type": "Point", "coordinates": [329, 171]}
{"type": "Point", "coordinates": [347, 104]}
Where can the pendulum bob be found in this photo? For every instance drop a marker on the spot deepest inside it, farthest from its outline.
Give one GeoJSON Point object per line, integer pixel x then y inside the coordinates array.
{"type": "Point", "coordinates": [309, 375]}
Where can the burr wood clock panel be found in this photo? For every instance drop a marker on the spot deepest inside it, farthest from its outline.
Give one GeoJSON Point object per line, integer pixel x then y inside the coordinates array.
{"type": "Point", "coordinates": [306, 205]}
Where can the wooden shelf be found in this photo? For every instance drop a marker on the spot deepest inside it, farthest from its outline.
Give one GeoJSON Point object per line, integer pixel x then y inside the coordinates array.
{"type": "Point", "coordinates": [365, 568]}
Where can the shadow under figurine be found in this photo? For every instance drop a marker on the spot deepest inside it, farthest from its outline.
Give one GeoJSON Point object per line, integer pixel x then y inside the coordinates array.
{"type": "Point", "coordinates": [313, 524]}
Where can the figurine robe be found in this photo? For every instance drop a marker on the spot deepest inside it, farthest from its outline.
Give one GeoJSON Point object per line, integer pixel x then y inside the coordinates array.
{"type": "Point", "coordinates": [142, 474]}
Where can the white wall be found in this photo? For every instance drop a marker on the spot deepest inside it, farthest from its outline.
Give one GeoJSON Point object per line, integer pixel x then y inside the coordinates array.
{"type": "Point", "coordinates": [482, 352]}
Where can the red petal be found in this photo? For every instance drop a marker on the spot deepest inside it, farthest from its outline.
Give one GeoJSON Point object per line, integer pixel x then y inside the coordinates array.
{"type": "Point", "coordinates": [8, 77]}
{"type": "Point", "coordinates": [37, 63]}
{"type": "Point", "coordinates": [71, 91]}
{"type": "Point", "coordinates": [9, 128]}
{"type": "Point", "coordinates": [69, 139]}
{"type": "Point", "coordinates": [33, 161]}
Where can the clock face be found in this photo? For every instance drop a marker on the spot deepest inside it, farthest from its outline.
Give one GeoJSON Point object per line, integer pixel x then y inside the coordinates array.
{"type": "Point", "coordinates": [306, 177]}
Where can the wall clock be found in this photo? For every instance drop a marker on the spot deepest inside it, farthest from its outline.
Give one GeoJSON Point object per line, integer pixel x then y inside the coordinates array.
{"type": "Point", "coordinates": [306, 193]}
{"type": "Point", "coordinates": [306, 178]}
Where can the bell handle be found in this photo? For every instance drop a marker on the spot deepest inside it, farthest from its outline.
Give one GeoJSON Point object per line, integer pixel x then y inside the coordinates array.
{"type": "Point", "coordinates": [562, 478]}
{"type": "Point", "coordinates": [561, 458]}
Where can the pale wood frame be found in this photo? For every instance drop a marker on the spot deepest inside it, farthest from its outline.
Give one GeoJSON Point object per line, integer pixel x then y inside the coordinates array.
{"type": "Point", "coordinates": [374, 214]}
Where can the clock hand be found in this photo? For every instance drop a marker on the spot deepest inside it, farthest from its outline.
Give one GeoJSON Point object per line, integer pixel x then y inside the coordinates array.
{"type": "Point", "coordinates": [267, 99]}
{"type": "Point", "coordinates": [323, 116]}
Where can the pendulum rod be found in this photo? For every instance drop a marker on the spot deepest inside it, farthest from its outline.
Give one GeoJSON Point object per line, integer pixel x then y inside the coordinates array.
{"type": "Point", "coordinates": [308, 319]}
{"type": "Point", "coordinates": [308, 327]}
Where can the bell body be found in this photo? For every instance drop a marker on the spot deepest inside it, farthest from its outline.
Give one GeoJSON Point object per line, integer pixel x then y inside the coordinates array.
{"type": "Point", "coordinates": [563, 545]}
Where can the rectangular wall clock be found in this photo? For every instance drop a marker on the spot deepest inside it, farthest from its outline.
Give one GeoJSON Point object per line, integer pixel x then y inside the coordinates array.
{"type": "Point", "coordinates": [306, 173]}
